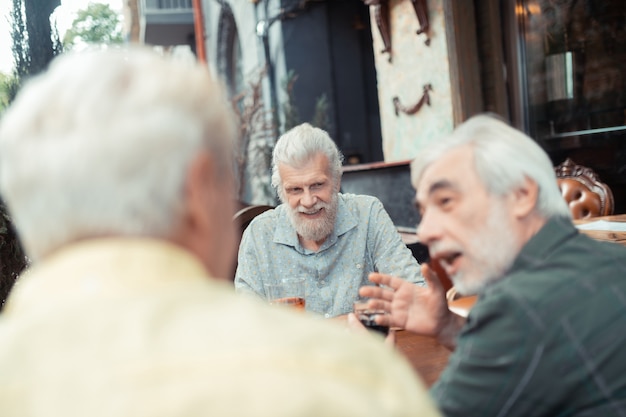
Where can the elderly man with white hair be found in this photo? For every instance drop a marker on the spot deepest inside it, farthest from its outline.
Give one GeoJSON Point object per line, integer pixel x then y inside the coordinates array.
{"type": "Point", "coordinates": [546, 336]}
{"type": "Point", "coordinates": [116, 166]}
{"type": "Point", "coordinates": [334, 240]}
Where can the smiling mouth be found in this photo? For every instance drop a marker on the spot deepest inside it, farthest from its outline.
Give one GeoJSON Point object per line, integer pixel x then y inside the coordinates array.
{"type": "Point", "coordinates": [311, 213]}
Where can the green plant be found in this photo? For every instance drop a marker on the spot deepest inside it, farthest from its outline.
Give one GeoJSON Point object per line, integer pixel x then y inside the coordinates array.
{"type": "Point", "coordinates": [321, 119]}
{"type": "Point", "coordinates": [13, 261]}
{"type": "Point", "coordinates": [256, 141]}
{"type": "Point", "coordinates": [290, 111]}
{"type": "Point", "coordinates": [257, 134]}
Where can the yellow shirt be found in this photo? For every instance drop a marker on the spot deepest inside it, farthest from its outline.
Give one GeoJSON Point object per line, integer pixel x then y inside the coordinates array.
{"type": "Point", "coordinates": [134, 328]}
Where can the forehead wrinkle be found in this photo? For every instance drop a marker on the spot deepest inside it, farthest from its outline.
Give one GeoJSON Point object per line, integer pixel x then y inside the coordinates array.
{"type": "Point", "coordinates": [305, 180]}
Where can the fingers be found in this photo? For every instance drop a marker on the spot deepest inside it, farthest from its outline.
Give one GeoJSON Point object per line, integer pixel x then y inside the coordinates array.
{"type": "Point", "coordinates": [383, 319]}
{"type": "Point", "coordinates": [390, 340]}
{"type": "Point", "coordinates": [379, 304]}
{"type": "Point", "coordinates": [370, 291]}
{"type": "Point", "coordinates": [433, 274]}
{"type": "Point", "coordinates": [385, 280]}
{"type": "Point", "coordinates": [355, 325]}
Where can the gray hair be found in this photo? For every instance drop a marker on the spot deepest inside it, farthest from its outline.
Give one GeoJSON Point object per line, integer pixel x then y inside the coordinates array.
{"type": "Point", "coordinates": [503, 158]}
{"type": "Point", "coordinates": [301, 144]}
{"type": "Point", "coordinates": [99, 145]}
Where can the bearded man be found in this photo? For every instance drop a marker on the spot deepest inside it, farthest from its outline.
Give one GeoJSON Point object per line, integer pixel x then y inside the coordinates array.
{"type": "Point", "coordinates": [546, 335]}
{"type": "Point", "coordinates": [334, 240]}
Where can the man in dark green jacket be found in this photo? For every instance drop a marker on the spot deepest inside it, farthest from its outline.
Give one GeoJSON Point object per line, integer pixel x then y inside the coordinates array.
{"type": "Point", "coordinates": [546, 336]}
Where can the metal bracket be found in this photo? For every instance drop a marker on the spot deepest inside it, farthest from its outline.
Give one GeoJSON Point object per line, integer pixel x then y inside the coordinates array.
{"type": "Point", "coordinates": [398, 107]}
{"type": "Point", "coordinates": [421, 10]}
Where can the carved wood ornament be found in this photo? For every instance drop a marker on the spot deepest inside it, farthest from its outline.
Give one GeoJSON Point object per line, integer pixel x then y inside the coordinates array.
{"type": "Point", "coordinates": [380, 10]}
{"type": "Point", "coordinates": [421, 10]}
{"type": "Point", "coordinates": [425, 99]}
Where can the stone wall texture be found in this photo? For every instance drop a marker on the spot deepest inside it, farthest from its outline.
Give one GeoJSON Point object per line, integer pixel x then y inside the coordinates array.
{"type": "Point", "coordinates": [413, 65]}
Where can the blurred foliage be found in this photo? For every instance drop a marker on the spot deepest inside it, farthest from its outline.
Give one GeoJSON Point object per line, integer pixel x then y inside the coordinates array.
{"type": "Point", "coordinates": [321, 118]}
{"type": "Point", "coordinates": [256, 136]}
{"type": "Point", "coordinates": [290, 111]}
{"type": "Point", "coordinates": [253, 154]}
{"type": "Point", "coordinates": [291, 114]}
{"type": "Point", "coordinates": [35, 43]}
{"type": "Point", "coordinates": [12, 258]}
{"type": "Point", "coordinates": [98, 24]}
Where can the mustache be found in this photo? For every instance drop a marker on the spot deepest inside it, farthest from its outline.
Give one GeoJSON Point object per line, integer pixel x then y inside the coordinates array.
{"type": "Point", "coordinates": [437, 248]}
{"type": "Point", "coordinates": [318, 206]}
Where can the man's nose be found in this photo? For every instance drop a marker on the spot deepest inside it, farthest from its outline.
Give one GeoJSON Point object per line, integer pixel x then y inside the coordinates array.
{"type": "Point", "coordinates": [308, 198]}
{"type": "Point", "coordinates": [429, 228]}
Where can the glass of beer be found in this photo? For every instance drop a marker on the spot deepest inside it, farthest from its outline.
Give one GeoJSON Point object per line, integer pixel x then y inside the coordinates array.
{"type": "Point", "coordinates": [367, 316]}
{"type": "Point", "coordinates": [287, 292]}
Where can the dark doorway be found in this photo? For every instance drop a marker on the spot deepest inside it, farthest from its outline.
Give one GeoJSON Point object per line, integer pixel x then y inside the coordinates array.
{"type": "Point", "coordinates": [329, 48]}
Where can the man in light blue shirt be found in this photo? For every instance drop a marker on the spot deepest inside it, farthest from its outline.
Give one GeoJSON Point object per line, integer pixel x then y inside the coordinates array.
{"type": "Point", "coordinates": [334, 240]}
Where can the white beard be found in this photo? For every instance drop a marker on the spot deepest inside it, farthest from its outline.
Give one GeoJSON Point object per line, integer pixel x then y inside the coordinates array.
{"type": "Point", "coordinates": [493, 250]}
{"type": "Point", "coordinates": [315, 229]}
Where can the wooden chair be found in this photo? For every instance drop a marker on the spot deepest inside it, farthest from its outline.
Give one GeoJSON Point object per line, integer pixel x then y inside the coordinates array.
{"type": "Point", "coordinates": [242, 219]}
{"type": "Point", "coordinates": [583, 191]}
{"type": "Point", "coordinates": [244, 216]}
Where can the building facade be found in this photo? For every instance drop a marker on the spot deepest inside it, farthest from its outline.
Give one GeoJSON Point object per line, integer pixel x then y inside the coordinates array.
{"type": "Point", "coordinates": [397, 74]}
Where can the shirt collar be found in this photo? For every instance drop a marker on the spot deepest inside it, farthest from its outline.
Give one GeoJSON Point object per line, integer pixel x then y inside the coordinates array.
{"type": "Point", "coordinates": [105, 266]}
{"type": "Point", "coordinates": [549, 238]}
{"type": "Point", "coordinates": [285, 233]}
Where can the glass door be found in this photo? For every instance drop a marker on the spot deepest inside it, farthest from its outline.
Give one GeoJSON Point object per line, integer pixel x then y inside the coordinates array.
{"type": "Point", "coordinates": [571, 68]}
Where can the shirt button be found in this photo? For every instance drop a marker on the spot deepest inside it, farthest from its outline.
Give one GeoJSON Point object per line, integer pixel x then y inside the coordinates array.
{"type": "Point", "coordinates": [359, 266]}
{"type": "Point", "coordinates": [327, 315]}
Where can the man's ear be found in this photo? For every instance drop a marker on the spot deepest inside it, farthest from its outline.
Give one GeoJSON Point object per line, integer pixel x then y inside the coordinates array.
{"type": "Point", "coordinates": [197, 189]}
{"type": "Point", "coordinates": [525, 198]}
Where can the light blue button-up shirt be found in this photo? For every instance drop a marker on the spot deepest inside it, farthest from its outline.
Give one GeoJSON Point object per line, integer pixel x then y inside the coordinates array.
{"type": "Point", "coordinates": [364, 240]}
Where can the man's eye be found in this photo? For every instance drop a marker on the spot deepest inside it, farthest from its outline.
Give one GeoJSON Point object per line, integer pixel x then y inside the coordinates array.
{"type": "Point", "coordinates": [445, 201]}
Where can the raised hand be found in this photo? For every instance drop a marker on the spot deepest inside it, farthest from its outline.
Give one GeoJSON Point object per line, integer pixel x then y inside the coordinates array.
{"type": "Point", "coordinates": [422, 310]}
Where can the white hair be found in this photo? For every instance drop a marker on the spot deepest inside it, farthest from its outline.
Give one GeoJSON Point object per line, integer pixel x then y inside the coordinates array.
{"type": "Point", "coordinates": [100, 143]}
{"type": "Point", "coordinates": [301, 144]}
{"type": "Point", "coordinates": [503, 158]}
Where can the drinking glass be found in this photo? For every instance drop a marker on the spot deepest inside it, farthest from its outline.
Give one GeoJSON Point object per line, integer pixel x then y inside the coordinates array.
{"type": "Point", "coordinates": [367, 316]}
{"type": "Point", "coordinates": [287, 291]}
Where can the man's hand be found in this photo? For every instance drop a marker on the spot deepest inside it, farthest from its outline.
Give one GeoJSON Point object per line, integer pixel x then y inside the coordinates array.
{"type": "Point", "coordinates": [422, 310]}
{"type": "Point", "coordinates": [355, 325]}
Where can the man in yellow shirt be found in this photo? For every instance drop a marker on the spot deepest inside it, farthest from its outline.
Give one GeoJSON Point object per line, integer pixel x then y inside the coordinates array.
{"type": "Point", "coordinates": [116, 167]}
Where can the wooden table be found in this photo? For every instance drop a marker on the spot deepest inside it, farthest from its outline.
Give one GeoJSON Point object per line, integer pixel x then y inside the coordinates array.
{"type": "Point", "coordinates": [425, 354]}
{"type": "Point", "coordinates": [605, 235]}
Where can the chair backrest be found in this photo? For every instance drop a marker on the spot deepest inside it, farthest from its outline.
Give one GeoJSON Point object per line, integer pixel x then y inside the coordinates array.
{"type": "Point", "coordinates": [244, 216]}
{"type": "Point", "coordinates": [242, 219]}
{"type": "Point", "coordinates": [583, 191]}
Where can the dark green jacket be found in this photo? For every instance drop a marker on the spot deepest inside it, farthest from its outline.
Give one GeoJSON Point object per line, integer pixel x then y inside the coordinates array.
{"type": "Point", "coordinates": [549, 339]}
